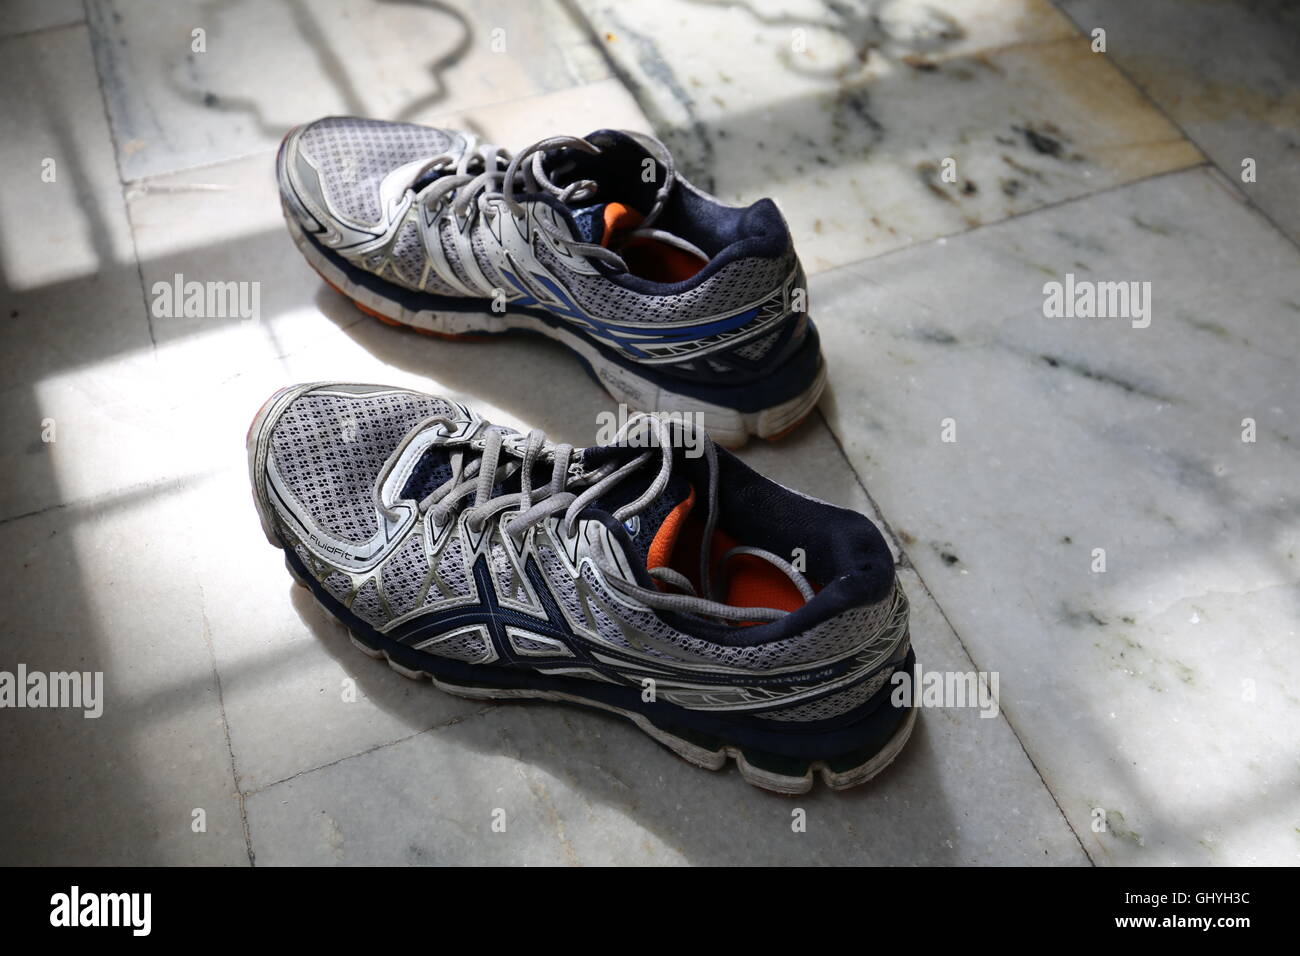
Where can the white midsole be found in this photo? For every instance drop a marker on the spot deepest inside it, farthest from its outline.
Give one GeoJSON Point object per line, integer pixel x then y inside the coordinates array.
{"type": "Point", "coordinates": [726, 426]}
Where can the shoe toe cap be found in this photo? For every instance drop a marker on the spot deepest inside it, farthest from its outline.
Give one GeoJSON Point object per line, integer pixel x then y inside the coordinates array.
{"type": "Point", "coordinates": [316, 452]}
{"type": "Point", "coordinates": [339, 162]}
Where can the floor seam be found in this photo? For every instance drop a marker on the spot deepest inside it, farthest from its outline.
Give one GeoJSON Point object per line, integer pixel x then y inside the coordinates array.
{"type": "Point", "coordinates": [225, 727]}
{"type": "Point", "coordinates": [88, 502]}
{"type": "Point", "coordinates": [1151, 100]}
{"type": "Point", "coordinates": [51, 28]}
{"type": "Point", "coordinates": [139, 266]}
{"type": "Point", "coordinates": [122, 185]}
{"type": "Point", "coordinates": [1045, 207]}
{"type": "Point", "coordinates": [459, 718]}
{"type": "Point", "coordinates": [902, 551]}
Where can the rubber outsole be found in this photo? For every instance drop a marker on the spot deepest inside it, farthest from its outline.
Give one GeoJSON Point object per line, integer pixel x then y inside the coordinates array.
{"type": "Point", "coordinates": [729, 427]}
{"type": "Point", "coordinates": [772, 772]}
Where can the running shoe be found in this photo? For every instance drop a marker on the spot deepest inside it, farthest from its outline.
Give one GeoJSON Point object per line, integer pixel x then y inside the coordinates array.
{"type": "Point", "coordinates": [673, 300]}
{"type": "Point", "coordinates": [657, 576]}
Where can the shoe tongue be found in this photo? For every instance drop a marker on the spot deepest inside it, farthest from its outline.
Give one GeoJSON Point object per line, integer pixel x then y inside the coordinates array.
{"type": "Point", "coordinates": [431, 472]}
{"type": "Point", "coordinates": [655, 530]}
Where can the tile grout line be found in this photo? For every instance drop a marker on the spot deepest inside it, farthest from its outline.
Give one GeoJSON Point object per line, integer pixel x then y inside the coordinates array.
{"type": "Point", "coordinates": [1045, 207]}
{"type": "Point", "coordinates": [117, 164]}
{"type": "Point", "coordinates": [50, 28]}
{"type": "Point", "coordinates": [144, 301]}
{"type": "Point", "coordinates": [139, 266]}
{"type": "Point", "coordinates": [225, 727]}
{"type": "Point", "coordinates": [91, 501]}
{"type": "Point", "coordinates": [1236, 188]}
{"type": "Point", "coordinates": [450, 722]}
{"type": "Point", "coordinates": [898, 544]}
{"type": "Point", "coordinates": [43, 511]}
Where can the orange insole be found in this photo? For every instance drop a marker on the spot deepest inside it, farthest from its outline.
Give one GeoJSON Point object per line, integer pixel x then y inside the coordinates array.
{"type": "Point", "coordinates": [645, 256]}
{"type": "Point", "coordinates": [751, 581]}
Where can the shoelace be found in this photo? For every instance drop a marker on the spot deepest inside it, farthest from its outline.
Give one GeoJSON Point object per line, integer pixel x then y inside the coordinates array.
{"type": "Point", "coordinates": [477, 473]}
{"type": "Point", "coordinates": [478, 180]}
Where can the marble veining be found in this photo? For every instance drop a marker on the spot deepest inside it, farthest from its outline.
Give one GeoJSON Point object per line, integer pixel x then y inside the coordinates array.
{"type": "Point", "coordinates": [265, 67]}
{"type": "Point", "coordinates": [1089, 506]}
{"type": "Point", "coordinates": [1112, 527]}
{"type": "Point", "coordinates": [846, 115]}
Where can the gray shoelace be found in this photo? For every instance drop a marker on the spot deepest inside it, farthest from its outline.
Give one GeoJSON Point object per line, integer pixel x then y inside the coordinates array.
{"type": "Point", "coordinates": [476, 472]}
{"type": "Point", "coordinates": [479, 181]}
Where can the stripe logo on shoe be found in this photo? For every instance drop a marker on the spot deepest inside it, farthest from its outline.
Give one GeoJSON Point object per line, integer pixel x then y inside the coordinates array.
{"type": "Point", "coordinates": [703, 689]}
{"type": "Point", "coordinates": [632, 339]}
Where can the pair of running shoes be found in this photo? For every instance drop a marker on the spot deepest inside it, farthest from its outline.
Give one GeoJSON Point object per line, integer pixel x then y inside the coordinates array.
{"type": "Point", "coordinates": [656, 576]}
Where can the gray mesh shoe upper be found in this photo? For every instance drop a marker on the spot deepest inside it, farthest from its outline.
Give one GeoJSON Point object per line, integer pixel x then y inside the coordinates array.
{"type": "Point", "coordinates": [439, 213]}
{"type": "Point", "coordinates": [352, 155]}
{"type": "Point", "coordinates": [357, 488]}
{"type": "Point", "coordinates": [329, 449]}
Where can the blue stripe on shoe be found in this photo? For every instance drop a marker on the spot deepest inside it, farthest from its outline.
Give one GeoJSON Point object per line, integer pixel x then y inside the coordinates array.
{"type": "Point", "coordinates": [754, 392]}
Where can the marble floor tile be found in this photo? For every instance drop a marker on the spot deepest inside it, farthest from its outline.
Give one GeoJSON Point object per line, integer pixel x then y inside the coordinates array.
{"type": "Point", "coordinates": [70, 297]}
{"type": "Point", "coordinates": [267, 66]}
{"type": "Point", "coordinates": [1098, 530]}
{"type": "Point", "coordinates": [223, 223]}
{"type": "Point", "coordinates": [102, 587]}
{"type": "Point", "coordinates": [1234, 105]}
{"type": "Point", "coordinates": [846, 114]}
{"type": "Point", "coordinates": [132, 396]}
{"type": "Point", "coordinates": [581, 787]}
{"type": "Point", "coordinates": [282, 662]}
{"type": "Point", "coordinates": [61, 214]}
{"type": "Point", "coordinates": [1156, 694]}
{"type": "Point", "coordinates": [297, 695]}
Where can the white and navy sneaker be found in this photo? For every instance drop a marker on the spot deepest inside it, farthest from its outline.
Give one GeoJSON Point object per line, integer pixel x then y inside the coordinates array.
{"type": "Point", "coordinates": [644, 577]}
{"type": "Point", "coordinates": [673, 300]}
